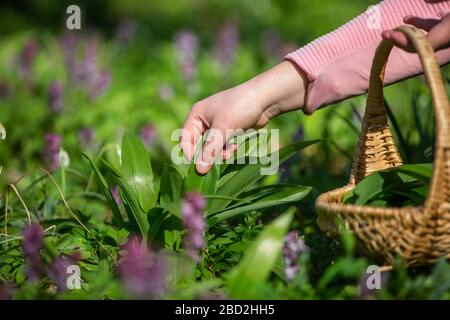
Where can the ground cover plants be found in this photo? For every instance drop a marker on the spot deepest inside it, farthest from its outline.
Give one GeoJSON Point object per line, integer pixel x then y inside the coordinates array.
{"type": "Point", "coordinates": [88, 187]}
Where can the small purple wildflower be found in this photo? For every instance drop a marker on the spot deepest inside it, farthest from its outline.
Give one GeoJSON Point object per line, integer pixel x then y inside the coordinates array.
{"type": "Point", "coordinates": [26, 59]}
{"type": "Point", "coordinates": [165, 92]}
{"type": "Point", "coordinates": [51, 151]}
{"type": "Point", "coordinates": [102, 82]}
{"type": "Point", "coordinates": [5, 90]}
{"type": "Point", "coordinates": [364, 291]}
{"type": "Point", "coordinates": [147, 133]}
{"type": "Point", "coordinates": [68, 43]}
{"type": "Point", "coordinates": [115, 194]}
{"type": "Point", "coordinates": [6, 291]}
{"type": "Point", "coordinates": [299, 134]}
{"type": "Point", "coordinates": [186, 42]}
{"type": "Point", "coordinates": [293, 248]}
{"type": "Point", "coordinates": [194, 222]}
{"type": "Point", "coordinates": [227, 43]}
{"type": "Point", "coordinates": [125, 31]}
{"type": "Point", "coordinates": [86, 74]}
{"type": "Point", "coordinates": [141, 270]}
{"type": "Point", "coordinates": [33, 237]}
{"type": "Point", "coordinates": [55, 96]}
{"type": "Point", "coordinates": [32, 242]}
{"type": "Point", "coordinates": [58, 269]}
{"type": "Point", "coordinates": [86, 137]}
{"type": "Point", "coordinates": [271, 43]}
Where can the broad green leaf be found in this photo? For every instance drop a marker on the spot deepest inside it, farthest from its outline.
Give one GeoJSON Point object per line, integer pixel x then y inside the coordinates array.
{"type": "Point", "coordinates": [210, 180]}
{"type": "Point", "coordinates": [405, 185]}
{"type": "Point", "coordinates": [260, 258]}
{"type": "Point", "coordinates": [286, 195]}
{"type": "Point", "coordinates": [193, 181]}
{"type": "Point", "coordinates": [368, 188]}
{"type": "Point", "coordinates": [171, 186]}
{"type": "Point", "coordinates": [420, 171]}
{"type": "Point", "coordinates": [156, 217]}
{"type": "Point", "coordinates": [117, 217]}
{"type": "Point", "coordinates": [136, 214]}
{"type": "Point", "coordinates": [251, 173]}
{"type": "Point", "coordinates": [137, 171]}
{"type": "Point", "coordinates": [346, 267]}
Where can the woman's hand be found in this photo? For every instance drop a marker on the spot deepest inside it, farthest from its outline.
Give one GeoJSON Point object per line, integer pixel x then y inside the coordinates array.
{"type": "Point", "coordinates": [248, 105]}
{"type": "Point", "coordinates": [438, 32]}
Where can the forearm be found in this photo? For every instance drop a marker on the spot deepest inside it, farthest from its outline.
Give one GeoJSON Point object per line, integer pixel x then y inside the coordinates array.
{"type": "Point", "coordinates": [337, 65]}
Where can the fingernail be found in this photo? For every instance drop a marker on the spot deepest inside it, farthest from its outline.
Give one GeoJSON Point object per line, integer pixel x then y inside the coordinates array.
{"type": "Point", "coordinates": [203, 164]}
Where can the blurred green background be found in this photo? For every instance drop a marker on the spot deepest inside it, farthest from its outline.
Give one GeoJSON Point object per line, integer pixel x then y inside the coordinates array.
{"type": "Point", "coordinates": [138, 66]}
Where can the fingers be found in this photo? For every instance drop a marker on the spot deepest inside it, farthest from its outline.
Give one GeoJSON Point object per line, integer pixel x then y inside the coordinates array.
{"type": "Point", "coordinates": [439, 35]}
{"type": "Point", "coordinates": [398, 39]}
{"type": "Point", "coordinates": [438, 32]}
{"type": "Point", "coordinates": [425, 24]}
{"type": "Point", "coordinates": [193, 129]}
{"type": "Point", "coordinates": [216, 140]}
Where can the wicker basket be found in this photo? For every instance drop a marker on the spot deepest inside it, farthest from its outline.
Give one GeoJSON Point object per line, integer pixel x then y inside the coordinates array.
{"type": "Point", "coordinates": [420, 235]}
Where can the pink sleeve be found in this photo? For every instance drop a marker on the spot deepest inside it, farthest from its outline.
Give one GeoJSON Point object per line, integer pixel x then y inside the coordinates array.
{"type": "Point", "coordinates": [338, 64]}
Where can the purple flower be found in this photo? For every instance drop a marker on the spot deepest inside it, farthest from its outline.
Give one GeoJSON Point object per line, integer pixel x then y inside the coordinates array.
{"type": "Point", "coordinates": [33, 237]}
{"type": "Point", "coordinates": [293, 248]}
{"type": "Point", "coordinates": [186, 42]}
{"type": "Point", "coordinates": [32, 242]}
{"type": "Point", "coordinates": [26, 59]}
{"type": "Point", "coordinates": [101, 83]}
{"type": "Point", "coordinates": [147, 133]}
{"type": "Point", "coordinates": [141, 270]}
{"type": "Point", "coordinates": [51, 151]}
{"type": "Point", "coordinates": [58, 269]}
{"type": "Point", "coordinates": [68, 43]}
{"type": "Point", "coordinates": [226, 43]}
{"type": "Point", "coordinates": [5, 90]}
{"type": "Point", "coordinates": [6, 291]}
{"type": "Point", "coordinates": [271, 43]}
{"type": "Point", "coordinates": [115, 194]}
{"type": "Point", "coordinates": [86, 74]}
{"type": "Point", "coordinates": [299, 134]}
{"type": "Point", "coordinates": [126, 31]}
{"type": "Point", "coordinates": [165, 92]}
{"type": "Point", "coordinates": [55, 96]}
{"type": "Point", "coordinates": [193, 217]}
{"type": "Point", "coordinates": [364, 291]}
{"type": "Point", "coordinates": [86, 137]}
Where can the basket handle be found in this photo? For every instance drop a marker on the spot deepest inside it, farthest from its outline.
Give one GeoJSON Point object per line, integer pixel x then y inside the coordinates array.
{"type": "Point", "coordinates": [376, 148]}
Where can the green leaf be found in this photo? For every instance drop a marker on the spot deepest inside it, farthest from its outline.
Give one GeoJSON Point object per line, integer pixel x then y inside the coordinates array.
{"type": "Point", "coordinates": [210, 180]}
{"type": "Point", "coordinates": [368, 188]}
{"type": "Point", "coordinates": [171, 186]}
{"type": "Point", "coordinates": [405, 185]}
{"type": "Point", "coordinates": [287, 194]}
{"type": "Point", "coordinates": [193, 181]}
{"type": "Point", "coordinates": [254, 270]}
{"type": "Point", "coordinates": [136, 214]}
{"type": "Point", "coordinates": [117, 217]}
{"type": "Point", "coordinates": [156, 217]}
{"type": "Point", "coordinates": [137, 171]}
{"type": "Point", "coordinates": [251, 173]}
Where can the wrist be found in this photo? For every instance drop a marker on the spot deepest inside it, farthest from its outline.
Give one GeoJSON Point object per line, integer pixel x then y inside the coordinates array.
{"type": "Point", "coordinates": [280, 89]}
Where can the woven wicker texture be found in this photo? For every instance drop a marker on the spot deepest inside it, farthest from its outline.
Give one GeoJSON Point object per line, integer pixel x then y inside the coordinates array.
{"type": "Point", "coordinates": [420, 235]}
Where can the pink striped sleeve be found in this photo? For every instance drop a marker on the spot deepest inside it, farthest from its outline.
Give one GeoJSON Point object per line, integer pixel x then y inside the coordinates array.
{"type": "Point", "coordinates": [338, 64]}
